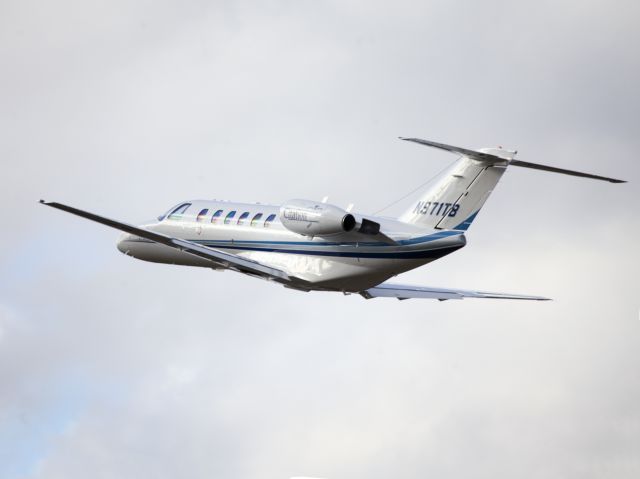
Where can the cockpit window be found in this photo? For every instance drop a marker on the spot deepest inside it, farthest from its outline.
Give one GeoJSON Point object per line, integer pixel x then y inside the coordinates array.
{"type": "Point", "coordinates": [269, 220]}
{"type": "Point", "coordinates": [255, 219]}
{"type": "Point", "coordinates": [229, 217]}
{"type": "Point", "coordinates": [202, 214]}
{"type": "Point", "coordinates": [216, 215]}
{"type": "Point", "coordinates": [243, 217]}
{"type": "Point", "coordinates": [178, 212]}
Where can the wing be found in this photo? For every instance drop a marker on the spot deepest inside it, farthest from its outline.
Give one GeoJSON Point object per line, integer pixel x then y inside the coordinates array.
{"type": "Point", "coordinates": [404, 291]}
{"type": "Point", "coordinates": [217, 257]}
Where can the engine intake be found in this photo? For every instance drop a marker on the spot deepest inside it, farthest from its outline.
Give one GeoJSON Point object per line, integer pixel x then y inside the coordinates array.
{"type": "Point", "coordinates": [311, 218]}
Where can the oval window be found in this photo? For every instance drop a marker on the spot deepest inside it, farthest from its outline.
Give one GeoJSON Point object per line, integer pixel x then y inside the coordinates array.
{"type": "Point", "coordinates": [229, 217]}
{"type": "Point", "coordinates": [269, 220]}
{"type": "Point", "coordinates": [216, 215]}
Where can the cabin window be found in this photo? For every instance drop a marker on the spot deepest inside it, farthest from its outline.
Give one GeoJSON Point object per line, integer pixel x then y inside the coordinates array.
{"type": "Point", "coordinates": [177, 213]}
{"type": "Point", "coordinates": [229, 217]}
{"type": "Point", "coordinates": [243, 217]}
{"type": "Point", "coordinates": [202, 214]}
{"type": "Point", "coordinates": [255, 219]}
{"type": "Point", "coordinates": [216, 215]}
{"type": "Point", "coordinates": [269, 220]}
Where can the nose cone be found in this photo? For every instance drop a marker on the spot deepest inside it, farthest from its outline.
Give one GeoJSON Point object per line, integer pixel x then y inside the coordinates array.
{"type": "Point", "coordinates": [122, 243]}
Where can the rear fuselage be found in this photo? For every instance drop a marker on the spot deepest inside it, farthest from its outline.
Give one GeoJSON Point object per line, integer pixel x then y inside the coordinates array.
{"type": "Point", "coordinates": [348, 261]}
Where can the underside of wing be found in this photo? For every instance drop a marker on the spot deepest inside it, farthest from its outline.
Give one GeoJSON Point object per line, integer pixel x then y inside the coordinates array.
{"type": "Point", "coordinates": [217, 257]}
{"type": "Point", "coordinates": [404, 291]}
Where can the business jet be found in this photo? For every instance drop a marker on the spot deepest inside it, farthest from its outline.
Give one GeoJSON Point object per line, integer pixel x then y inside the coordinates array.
{"type": "Point", "coordinates": [309, 245]}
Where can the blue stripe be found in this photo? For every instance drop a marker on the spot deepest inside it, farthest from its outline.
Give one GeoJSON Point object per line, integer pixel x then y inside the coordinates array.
{"type": "Point", "coordinates": [431, 237]}
{"type": "Point", "coordinates": [272, 247]}
{"type": "Point", "coordinates": [431, 253]}
{"type": "Point", "coordinates": [464, 226]}
{"type": "Point", "coordinates": [412, 241]}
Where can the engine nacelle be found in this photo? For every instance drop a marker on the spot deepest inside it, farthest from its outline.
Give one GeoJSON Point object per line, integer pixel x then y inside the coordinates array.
{"type": "Point", "coordinates": [312, 218]}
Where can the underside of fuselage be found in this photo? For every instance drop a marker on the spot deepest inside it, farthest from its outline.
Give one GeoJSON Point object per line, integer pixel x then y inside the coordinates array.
{"type": "Point", "coordinates": [323, 266]}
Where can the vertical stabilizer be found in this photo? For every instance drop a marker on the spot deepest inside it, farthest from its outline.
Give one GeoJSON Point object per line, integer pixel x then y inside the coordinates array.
{"type": "Point", "coordinates": [456, 196]}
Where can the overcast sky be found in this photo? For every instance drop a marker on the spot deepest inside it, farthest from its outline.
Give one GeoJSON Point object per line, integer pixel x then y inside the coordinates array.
{"type": "Point", "coordinates": [112, 367]}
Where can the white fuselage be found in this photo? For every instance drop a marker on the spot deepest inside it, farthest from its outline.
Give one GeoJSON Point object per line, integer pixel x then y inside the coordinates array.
{"type": "Point", "coordinates": [348, 262]}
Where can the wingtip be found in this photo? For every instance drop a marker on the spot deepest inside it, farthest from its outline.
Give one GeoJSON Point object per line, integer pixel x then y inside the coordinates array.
{"type": "Point", "coordinates": [539, 298]}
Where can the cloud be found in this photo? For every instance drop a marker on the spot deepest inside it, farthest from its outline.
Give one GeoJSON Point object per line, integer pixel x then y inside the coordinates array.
{"type": "Point", "coordinates": [131, 369]}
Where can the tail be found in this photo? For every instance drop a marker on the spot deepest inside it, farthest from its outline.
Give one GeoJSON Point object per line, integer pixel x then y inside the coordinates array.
{"type": "Point", "coordinates": [457, 196]}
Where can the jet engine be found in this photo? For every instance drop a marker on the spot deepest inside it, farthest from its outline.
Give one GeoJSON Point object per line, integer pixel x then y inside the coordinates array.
{"type": "Point", "coordinates": [311, 218]}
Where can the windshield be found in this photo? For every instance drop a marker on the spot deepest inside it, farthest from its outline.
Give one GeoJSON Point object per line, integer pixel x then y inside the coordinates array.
{"type": "Point", "coordinates": [175, 211]}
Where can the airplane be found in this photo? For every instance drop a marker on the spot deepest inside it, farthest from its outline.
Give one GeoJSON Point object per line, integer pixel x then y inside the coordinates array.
{"type": "Point", "coordinates": [309, 245]}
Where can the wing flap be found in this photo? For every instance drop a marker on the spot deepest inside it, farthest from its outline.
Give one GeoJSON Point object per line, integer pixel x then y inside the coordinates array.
{"type": "Point", "coordinates": [403, 291]}
{"type": "Point", "coordinates": [217, 257]}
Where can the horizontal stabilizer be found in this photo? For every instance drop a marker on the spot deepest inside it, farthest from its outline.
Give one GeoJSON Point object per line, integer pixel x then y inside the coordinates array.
{"type": "Point", "coordinates": [553, 169]}
{"type": "Point", "coordinates": [403, 291]}
{"type": "Point", "coordinates": [476, 155]}
{"type": "Point", "coordinates": [504, 157]}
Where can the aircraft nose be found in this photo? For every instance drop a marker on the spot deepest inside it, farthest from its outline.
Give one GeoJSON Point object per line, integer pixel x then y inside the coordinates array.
{"type": "Point", "coordinates": [121, 244]}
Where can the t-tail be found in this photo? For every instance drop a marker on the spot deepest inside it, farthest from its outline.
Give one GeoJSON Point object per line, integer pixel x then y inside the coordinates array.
{"type": "Point", "coordinates": [457, 195]}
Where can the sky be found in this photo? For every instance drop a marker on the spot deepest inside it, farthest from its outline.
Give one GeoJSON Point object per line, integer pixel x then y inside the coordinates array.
{"type": "Point", "coordinates": [114, 367]}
